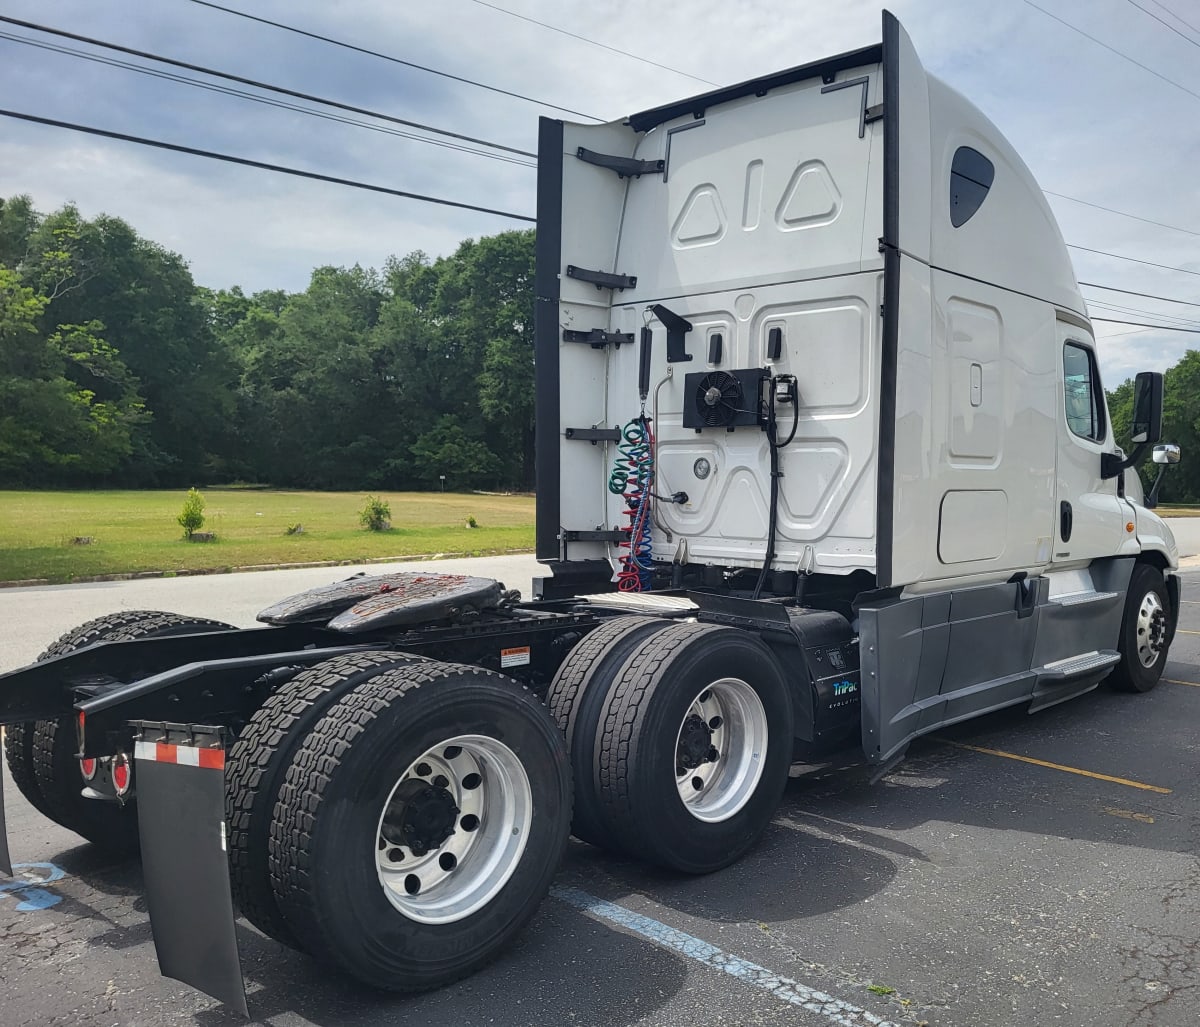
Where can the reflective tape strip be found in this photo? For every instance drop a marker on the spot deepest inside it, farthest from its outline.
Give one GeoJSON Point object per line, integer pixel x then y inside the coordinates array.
{"type": "Point", "coordinates": [185, 755]}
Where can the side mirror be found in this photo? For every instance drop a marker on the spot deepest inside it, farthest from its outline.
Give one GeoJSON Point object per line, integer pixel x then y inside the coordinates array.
{"type": "Point", "coordinates": [1164, 456]}
{"type": "Point", "coordinates": [1168, 454]}
{"type": "Point", "coordinates": [1147, 409]}
{"type": "Point", "coordinates": [1146, 427]}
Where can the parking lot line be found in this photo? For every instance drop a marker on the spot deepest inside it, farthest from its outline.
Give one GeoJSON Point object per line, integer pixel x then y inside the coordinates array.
{"type": "Point", "coordinates": [835, 1010]}
{"type": "Point", "coordinates": [1058, 766]}
{"type": "Point", "coordinates": [1185, 631]}
{"type": "Point", "coordinates": [1174, 681]}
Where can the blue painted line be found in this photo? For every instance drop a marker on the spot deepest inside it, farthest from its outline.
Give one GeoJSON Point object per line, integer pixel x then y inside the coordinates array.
{"type": "Point", "coordinates": [785, 989]}
{"type": "Point", "coordinates": [29, 896]}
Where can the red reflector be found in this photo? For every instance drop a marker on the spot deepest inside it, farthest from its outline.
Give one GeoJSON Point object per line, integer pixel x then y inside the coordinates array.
{"type": "Point", "coordinates": [120, 775]}
{"type": "Point", "coordinates": [87, 768]}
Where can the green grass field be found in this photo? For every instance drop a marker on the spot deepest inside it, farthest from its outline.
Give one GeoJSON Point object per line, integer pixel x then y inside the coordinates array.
{"type": "Point", "coordinates": [137, 531]}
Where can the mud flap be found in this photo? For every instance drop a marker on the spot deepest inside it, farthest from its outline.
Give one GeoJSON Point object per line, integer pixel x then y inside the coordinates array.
{"type": "Point", "coordinates": [5, 859]}
{"type": "Point", "coordinates": [180, 780]}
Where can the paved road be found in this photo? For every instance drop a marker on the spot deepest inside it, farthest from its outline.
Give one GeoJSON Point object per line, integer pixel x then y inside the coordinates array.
{"type": "Point", "coordinates": [969, 887]}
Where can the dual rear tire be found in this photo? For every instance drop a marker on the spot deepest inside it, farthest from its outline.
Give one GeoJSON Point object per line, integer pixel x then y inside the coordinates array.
{"type": "Point", "coordinates": [680, 737]}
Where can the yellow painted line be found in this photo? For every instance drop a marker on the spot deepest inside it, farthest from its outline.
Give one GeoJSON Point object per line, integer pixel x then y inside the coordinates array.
{"type": "Point", "coordinates": [1184, 631]}
{"type": "Point", "coordinates": [1059, 766]}
{"type": "Point", "coordinates": [1128, 814]}
{"type": "Point", "coordinates": [1172, 681]}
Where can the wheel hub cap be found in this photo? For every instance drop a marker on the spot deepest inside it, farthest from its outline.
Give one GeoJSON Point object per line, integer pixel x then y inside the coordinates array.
{"type": "Point", "coordinates": [1151, 629]}
{"type": "Point", "coordinates": [695, 743]}
{"type": "Point", "coordinates": [421, 816]}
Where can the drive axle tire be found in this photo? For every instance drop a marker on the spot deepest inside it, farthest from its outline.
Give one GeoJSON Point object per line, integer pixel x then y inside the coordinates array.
{"type": "Point", "coordinates": [41, 754]}
{"type": "Point", "coordinates": [420, 825]}
{"type": "Point", "coordinates": [575, 699]}
{"type": "Point", "coordinates": [1145, 631]}
{"type": "Point", "coordinates": [257, 763]}
{"type": "Point", "coordinates": [693, 747]}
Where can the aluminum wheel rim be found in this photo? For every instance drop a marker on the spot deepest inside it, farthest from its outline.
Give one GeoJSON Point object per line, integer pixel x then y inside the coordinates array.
{"type": "Point", "coordinates": [485, 784]}
{"type": "Point", "coordinates": [721, 784]}
{"type": "Point", "coordinates": [1151, 629]}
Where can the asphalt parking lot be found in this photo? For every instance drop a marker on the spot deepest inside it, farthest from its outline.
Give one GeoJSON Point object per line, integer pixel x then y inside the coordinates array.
{"type": "Point", "coordinates": [1013, 870]}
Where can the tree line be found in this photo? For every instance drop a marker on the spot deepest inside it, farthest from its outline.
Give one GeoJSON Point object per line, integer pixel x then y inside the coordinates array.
{"type": "Point", "coordinates": [118, 370]}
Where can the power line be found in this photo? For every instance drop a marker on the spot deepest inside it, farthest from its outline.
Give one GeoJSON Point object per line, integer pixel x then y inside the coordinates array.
{"type": "Point", "coordinates": [1143, 295]}
{"type": "Point", "coordinates": [1151, 14]}
{"type": "Point", "coordinates": [1187, 322]}
{"type": "Point", "coordinates": [1177, 17]}
{"type": "Point", "coordinates": [1143, 324]}
{"type": "Point", "coordinates": [1075, 28]}
{"type": "Point", "coordinates": [1123, 213]}
{"type": "Point", "coordinates": [259, 85]}
{"type": "Point", "coordinates": [170, 76]}
{"type": "Point", "coordinates": [262, 165]}
{"type": "Point", "coordinates": [593, 42]}
{"type": "Point", "coordinates": [393, 60]}
{"type": "Point", "coordinates": [1135, 260]}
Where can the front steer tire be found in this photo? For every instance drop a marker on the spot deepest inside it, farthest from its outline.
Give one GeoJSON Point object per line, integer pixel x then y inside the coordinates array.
{"type": "Point", "coordinates": [392, 735]}
{"type": "Point", "coordinates": [41, 754]}
{"type": "Point", "coordinates": [1145, 631]}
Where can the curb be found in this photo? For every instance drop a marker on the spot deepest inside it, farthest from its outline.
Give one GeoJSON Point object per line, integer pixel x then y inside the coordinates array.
{"type": "Point", "coordinates": [196, 572]}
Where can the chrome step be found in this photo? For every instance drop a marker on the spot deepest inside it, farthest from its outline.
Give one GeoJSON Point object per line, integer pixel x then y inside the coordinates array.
{"type": "Point", "coordinates": [1079, 598]}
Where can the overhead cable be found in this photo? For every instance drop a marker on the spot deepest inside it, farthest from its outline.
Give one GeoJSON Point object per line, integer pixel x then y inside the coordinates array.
{"type": "Point", "coordinates": [341, 119]}
{"type": "Point", "coordinates": [389, 57]}
{"type": "Point", "coordinates": [594, 42]}
{"type": "Point", "coordinates": [1111, 49]}
{"type": "Point", "coordinates": [264, 166]}
{"type": "Point", "coordinates": [1123, 213]}
{"type": "Point", "coordinates": [260, 85]}
{"type": "Point", "coordinates": [1135, 260]}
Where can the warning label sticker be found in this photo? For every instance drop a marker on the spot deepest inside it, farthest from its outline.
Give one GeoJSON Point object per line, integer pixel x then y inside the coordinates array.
{"type": "Point", "coordinates": [517, 657]}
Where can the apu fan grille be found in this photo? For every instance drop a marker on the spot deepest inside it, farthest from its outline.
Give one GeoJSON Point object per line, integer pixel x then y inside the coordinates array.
{"type": "Point", "coordinates": [719, 399]}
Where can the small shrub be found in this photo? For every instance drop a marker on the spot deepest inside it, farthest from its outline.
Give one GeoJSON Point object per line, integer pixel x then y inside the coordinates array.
{"type": "Point", "coordinates": [472, 523]}
{"type": "Point", "coordinates": [376, 514]}
{"type": "Point", "coordinates": [191, 518]}
{"type": "Point", "coordinates": [294, 529]}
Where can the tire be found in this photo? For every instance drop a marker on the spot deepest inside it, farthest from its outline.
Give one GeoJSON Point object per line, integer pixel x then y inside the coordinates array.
{"type": "Point", "coordinates": [41, 754]}
{"type": "Point", "coordinates": [650, 747]}
{"type": "Point", "coordinates": [328, 825]}
{"type": "Point", "coordinates": [1145, 631]}
{"type": "Point", "coordinates": [255, 769]}
{"type": "Point", "coordinates": [575, 699]}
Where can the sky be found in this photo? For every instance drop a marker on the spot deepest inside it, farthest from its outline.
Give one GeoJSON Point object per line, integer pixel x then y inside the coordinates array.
{"type": "Point", "coordinates": [1091, 125]}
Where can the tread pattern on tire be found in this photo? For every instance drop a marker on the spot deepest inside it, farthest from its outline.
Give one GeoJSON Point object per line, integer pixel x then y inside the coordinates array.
{"type": "Point", "coordinates": [293, 875]}
{"type": "Point", "coordinates": [32, 748]}
{"type": "Point", "coordinates": [583, 681]}
{"type": "Point", "coordinates": [262, 750]}
{"type": "Point", "coordinates": [620, 717]}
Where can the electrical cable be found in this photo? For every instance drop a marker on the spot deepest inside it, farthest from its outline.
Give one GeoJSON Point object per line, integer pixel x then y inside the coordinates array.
{"type": "Point", "coordinates": [1151, 14]}
{"type": "Point", "coordinates": [262, 165]}
{"type": "Point", "coordinates": [393, 60]}
{"type": "Point", "coordinates": [295, 94]}
{"type": "Point", "coordinates": [632, 478]}
{"type": "Point", "coordinates": [1123, 213]}
{"type": "Point", "coordinates": [1176, 16]}
{"type": "Point", "coordinates": [1185, 322]}
{"type": "Point", "coordinates": [1111, 49]}
{"type": "Point", "coordinates": [1134, 260]}
{"type": "Point", "coordinates": [593, 42]}
{"type": "Point", "coordinates": [1143, 295]}
{"type": "Point", "coordinates": [1143, 324]}
{"type": "Point", "coordinates": [171, 76]}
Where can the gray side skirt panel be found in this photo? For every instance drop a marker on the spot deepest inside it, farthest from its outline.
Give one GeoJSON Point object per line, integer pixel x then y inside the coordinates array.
{"type": "Point", "coordinates": [932, 660]}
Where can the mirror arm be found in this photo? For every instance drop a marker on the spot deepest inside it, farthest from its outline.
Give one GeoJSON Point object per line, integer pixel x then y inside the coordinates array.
{"type": "Point", "coordinates": [1111, 465]}
{"type": "Point", "coordinates": [1152, 499]}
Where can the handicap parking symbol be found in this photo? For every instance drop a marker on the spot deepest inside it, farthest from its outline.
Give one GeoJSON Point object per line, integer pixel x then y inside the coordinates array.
{"type": "Point", "coordinates": [24, 886]}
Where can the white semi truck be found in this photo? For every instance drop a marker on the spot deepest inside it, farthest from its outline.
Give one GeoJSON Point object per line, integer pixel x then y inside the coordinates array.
{"type": "Point", "coordinates": [824, 464]}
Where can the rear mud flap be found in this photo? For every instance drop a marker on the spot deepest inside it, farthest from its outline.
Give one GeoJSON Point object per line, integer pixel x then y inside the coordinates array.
{"type": "Point", "coordinates": [5, 859]}
{"type": "Point", "coordinates": [181, 816]}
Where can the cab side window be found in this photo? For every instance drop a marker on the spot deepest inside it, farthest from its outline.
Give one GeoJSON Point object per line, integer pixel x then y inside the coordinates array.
{"type": "Point", "coordinates": [1081, 392]}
